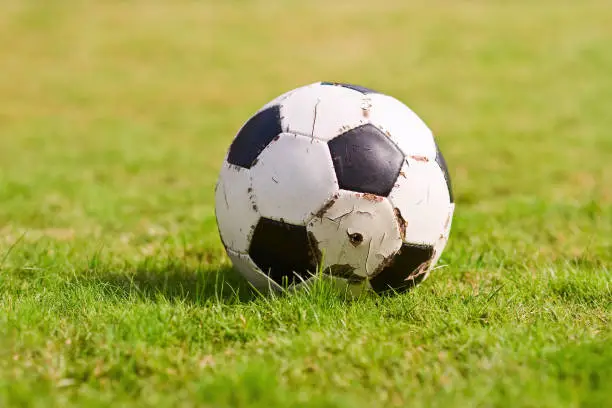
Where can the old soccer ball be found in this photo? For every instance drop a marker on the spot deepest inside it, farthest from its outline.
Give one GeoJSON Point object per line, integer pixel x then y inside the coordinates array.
{"type": "Point", "coordinates": [334, 180]}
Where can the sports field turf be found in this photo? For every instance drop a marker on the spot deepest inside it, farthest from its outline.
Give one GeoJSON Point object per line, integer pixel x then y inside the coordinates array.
{"type": "Point", "coordinates": [114, 288]}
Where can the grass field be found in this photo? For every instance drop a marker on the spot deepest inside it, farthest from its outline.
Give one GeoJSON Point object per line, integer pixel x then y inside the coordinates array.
{"type": "Point", "coordinates": [114, 287]}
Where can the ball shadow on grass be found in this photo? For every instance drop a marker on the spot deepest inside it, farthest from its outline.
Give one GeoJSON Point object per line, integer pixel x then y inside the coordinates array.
{"type": "Point", "coordinates": [175, 281]}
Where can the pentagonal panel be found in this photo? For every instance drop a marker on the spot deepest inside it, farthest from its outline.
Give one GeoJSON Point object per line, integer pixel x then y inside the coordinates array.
{"type": "Point", "coordinates": [355, 233]}
{"type": "Point", "coordinates": [283, 251]}
{"type": "Point", "coordinates": [366, 160]}
{"type": "Point", "coordinates": [247, 268]}
{"type": "Point", "coordinates": [442, 163]}
{"type": "Point", "coordinates": [357, 88]}
{"type": "Point", "coordinates": [293, 178]}
{"type": "Point", "coordinates": [235, 207]}
{"type": "Point", "coordinates": [323, 112]}
{"type": "Point", "coordinates": [421, 201]}
{"type": "Point", "coordinates": [403, 126]}
{"type": "Point", "coordinates": [405, 269]}
{"type": "Point", "coordinates": [254, 136]}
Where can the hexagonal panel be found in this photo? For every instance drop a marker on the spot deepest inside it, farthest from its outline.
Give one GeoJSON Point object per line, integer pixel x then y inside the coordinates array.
{"type": "Point", "coordinates": [442, 163]}
{"type": "Point", "coordinates": [405, 270]}
{"type": "Point", "coordinates": [440, 245]}
{"type": "Point", "coordinates": [358, 88]}
{"type": "Point", "coordinates": [403, 126]}
{"type": "Point", "coordinates": [355, 233]}
{"type": "Point", "coordinates": [234, 207]}
{"type": "Point", "coordinates": [366, 160]}
{"type": "Point", "coordinates": [254, 136]}
{"type": "Point", "coordinates": [283, 251]}
{"type": "Point", "coordinates": [293, 177]}
{"type": "Point", "coordinates": [421, 198]}
{"type": "Point", "coordinates": [323, 112]}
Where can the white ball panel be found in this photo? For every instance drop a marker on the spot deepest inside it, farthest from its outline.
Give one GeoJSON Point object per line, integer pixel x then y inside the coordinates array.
{"type": "Point", "coordinates": [234, 210]}
{"type": "Point", "coordinates": [293, 178]}
{"type": "Point", "coordinates": [403, 126]}
{"type": "Point", "coordinates": [247, 268]}
{"type": "Point", "coordinates": [443, 239]}
{"type": "Point", "coordinates": [351, 213]}
{"type": "Point", "coordinates": [279, 99]}
{"type": "Point", "coordinates": [323, 111]}
{"type": "Point", "coordinates": [421, 196]}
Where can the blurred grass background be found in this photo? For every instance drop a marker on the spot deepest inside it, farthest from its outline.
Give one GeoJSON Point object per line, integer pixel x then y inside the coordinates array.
{"type": "Point", "coordinates": [115, 117]}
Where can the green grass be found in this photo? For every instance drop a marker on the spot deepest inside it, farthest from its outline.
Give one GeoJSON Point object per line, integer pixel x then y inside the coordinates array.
{"type": "Point", "coordinates": [114, 288]}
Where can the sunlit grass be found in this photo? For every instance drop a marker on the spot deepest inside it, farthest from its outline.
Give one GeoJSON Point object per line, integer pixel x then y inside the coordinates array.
{"type": "Point", "coordinates": [114, 288]}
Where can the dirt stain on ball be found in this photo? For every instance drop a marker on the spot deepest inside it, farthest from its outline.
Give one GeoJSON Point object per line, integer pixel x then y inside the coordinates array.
{"type": "Point", "coordinates": [401, 222]}
{"type": "Point", "coordinates": [327, 206]}
{"type": "Point", "coordinates": [372, 197]}
{"type": "Point", "coordinates": [355, 238]}
{"type": "Point", "coordinates": [420, 158]}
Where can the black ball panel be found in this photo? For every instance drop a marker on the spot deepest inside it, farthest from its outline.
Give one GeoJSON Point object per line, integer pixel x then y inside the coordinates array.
{"type": "Point", "coordinates": [283, 251]}
{"type": "Point", "coordinates": [401, 273]}
{"type": "Point", "coordinates": [366, 160]}
{"type": "Point", "coordinates": [442, 163]}
{"type": "Point", "coordinates": [254, 136]}
{"type": "Point", "coordinates": [357, 88]}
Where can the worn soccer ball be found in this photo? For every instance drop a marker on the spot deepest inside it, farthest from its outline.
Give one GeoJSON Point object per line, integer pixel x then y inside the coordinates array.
{"type": "Point", "coordinates": [336, 181]}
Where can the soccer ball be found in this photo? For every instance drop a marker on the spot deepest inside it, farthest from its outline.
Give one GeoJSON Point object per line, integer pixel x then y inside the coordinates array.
{"type": "Point", "coordinates": [338, 181]}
